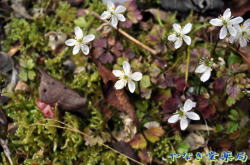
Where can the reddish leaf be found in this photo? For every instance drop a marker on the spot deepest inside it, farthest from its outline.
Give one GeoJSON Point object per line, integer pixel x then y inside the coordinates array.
{"type": "Point", "coordinates": [145, 157]}
{"type": "Point", "coordinates": [138, 142]}
{"type": "Point", "coordinates": [207, 110]}
{"type": "Point", "coordinates": [46, 109]}
{"type": "Point", "coordinates": [219, 84]}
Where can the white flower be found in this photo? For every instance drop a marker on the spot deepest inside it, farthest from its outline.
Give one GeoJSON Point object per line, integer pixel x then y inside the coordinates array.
{"type": "Point", "coordinates": [184, 115]}
{"type": "Point", "coordinates": [243, 34]}
{"type": "Point", "coordinates": [180, 34]}
{"type": "Point", "coordinates": [227, 22]}
{"type": "Point", "coordinates": [126, 76]}
{"type": "Point", "coordinates": [205, 68]}
{"type": "Point", "coordinates": [205, 71]}
{"type": "Point", "coordinates": [114, 13]}
{"type": "Point", "coordinates": [80, 41]}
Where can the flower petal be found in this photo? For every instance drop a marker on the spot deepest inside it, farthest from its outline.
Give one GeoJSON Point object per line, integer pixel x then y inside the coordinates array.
{"type": "Point", "coordinates": [174, 118]}
{"type": "Point", "coordinates": [85, 49]}
{"type": "Point", "coordinates": [246, 23]}
{"type": "Point", "coordinates": [88, 38]}
{"type": "Point", "coordinates": [110, 5]}
{"type": "Point", "coordinates": [118, 73]}
{"type": "Point", "coordinates": [187, 39]}
{"type": "Point", "coordinates": [114, 21]}
{"type": "Point", "coordinates": [126, 67]}
{"type": "Point", "coordinates": [172, 37]}
{"type": "Point", "coordinates": [120, 84]}
{"type": "Point", "coordinates": [120, 17]}
{"type": "Point", "coordinates": [236, 20]}
{"type": "Point", "coordinates": [120, 9]}
{"type": "Point", "coordinates": [227, 14]}
{"type": "Point", "coordinates": [137, 76]}
{"type": "Point", "coordinates": [188, 105]}
{"type": "Point", "coordinates": [78, 33]}
{"type": "Point", "coordinates": [105, 15]}
{"type": "Point", "coordinates": [193, 116]}
{"type": "Point", "coordinates": [223, 32]}
{"type": "Point", "coordinates": [131, 86]}
{"type": "Point", "coordinates": [232, 30]}
{"type": "Point", "coordinates": [187, 28]}
{"type": "Point", "coordinates": [206, 75]}
{"type": "Point", "coordinates": [216, 22]}
{"type": "Point", "coordinates": [76, 49]}
{"type": "Point", "coordinates": [243, 42]}
{"type": "Point", "coordinates": [178, 43]}
{"type": "Point", "coordinates": [70, 42]}
{"type": "Point", "coordinates": [177, 28]}
{"type": "Point", "coordinates": [184, 123]}
{"type": "Point", "coordinates": [201, 68]}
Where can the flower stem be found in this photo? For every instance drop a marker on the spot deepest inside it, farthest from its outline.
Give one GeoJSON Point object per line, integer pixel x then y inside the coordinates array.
{"type": "Point", "coordinates": [187, 64]}
{"type": "Point", "coordinates": [215, 46]}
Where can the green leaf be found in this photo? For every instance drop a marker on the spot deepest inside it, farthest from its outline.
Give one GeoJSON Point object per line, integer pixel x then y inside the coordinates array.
{"type": "Point", "coordinates": [31, 75]}
{"type": "Point", "coordinates": [182, 147]}
{"type": "Point", "coordinates": [232, 59]}
{"type": "Point", "coordinates": [230, 101]}
{"type": "Point", "coordinates": [80, 22]}
{"type": "Point", "coordinates": [29, 64]}
{"type": "Point", "coordinates": [232, 127]}
{"type": "Point", "coordinates": [138, 142]}
{"type": "Point", "coordinates": [234, 115]}
{"type": "Point", "coordinates": [219, 128]}
{"type": "Point", "coordinates": [145, 82]}
{"type": "Point", "coordinates": [23, 75]}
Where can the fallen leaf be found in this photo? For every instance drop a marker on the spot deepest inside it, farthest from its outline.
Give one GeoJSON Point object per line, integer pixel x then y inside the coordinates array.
{"type": "Point", "coordinates": [145, 156]}
{"type": "Point", "coordinates": [14, 50]}
{"type": "Point", "coordinates": [20, 10]}
{"type": "Point", "coordinates": [52, 91]}
{"type": "Point", "coordinates": [125, 148]}
{"type": "Point", "coordinates": [195, 141]}
{"type": "Point", "coordinates": [22, 86]}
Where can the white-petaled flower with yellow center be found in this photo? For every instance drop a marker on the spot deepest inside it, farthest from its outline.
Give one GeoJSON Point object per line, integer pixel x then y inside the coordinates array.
{"type": "Point", "coordinates": [205, 69]}
{"type": "Point", "coordinates": [80, 41]}
{"type": "Point", "coordinates": [243, 34]}
{"type": "Point", "coordinates": [180, 34]}
{"type": "Point", "coordinates": [114, 13]}
{"type": "Point", "coordinates": [184, 115]}
{"type": "Point", "coordinates": [227, 22]}
{"type": "Point", "coordinates": [126, 77]}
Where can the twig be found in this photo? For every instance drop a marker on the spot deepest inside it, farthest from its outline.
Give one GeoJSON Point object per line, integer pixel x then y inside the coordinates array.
{"type": "Point", "coordinates": [187, 64]}
{"type": "Point", "coordinates": [200, 127]}
{"type": "Point", "coordinates": [154, 52]}
{"type": "Point", "coordinates": [80, 132]}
